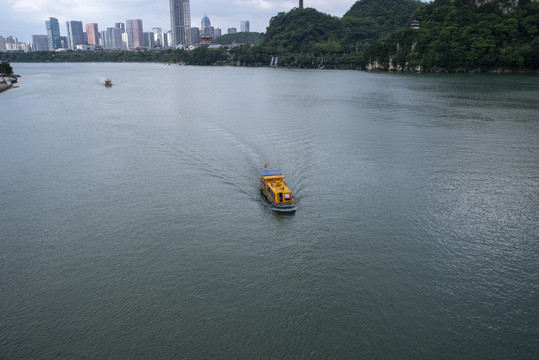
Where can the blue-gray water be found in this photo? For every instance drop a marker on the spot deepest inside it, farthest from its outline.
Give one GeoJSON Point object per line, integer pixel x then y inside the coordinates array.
{"type": "Point", "coordinates": [131, 223]}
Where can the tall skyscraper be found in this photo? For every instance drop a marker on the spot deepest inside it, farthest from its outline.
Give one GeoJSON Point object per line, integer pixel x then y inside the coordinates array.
{"type": "Point", "coordinates": [92, 32]}
{"type": "Point", "coordinates": [53, 33]}
{"type": "Point", "coordinates": [40, 43]}
{"type": "Point", "coordinates": [245, 26]}
{"type": "Point", "coordinates": [75, 35]}
{"type": "Point", "coordinates": [120, 26]}
{"type": "Point", "coordinates": [205, 26]}
{"type": "Point", "coordinates": [113, 38]}
{"type": "Point", "coordinates": [180, 21]}
{"type": "Point", "coordinates": [135, 35]}
{"type": "Point", "coordinates": [205, 22]}
{"type": "Point", "coordinates": [103, 37]}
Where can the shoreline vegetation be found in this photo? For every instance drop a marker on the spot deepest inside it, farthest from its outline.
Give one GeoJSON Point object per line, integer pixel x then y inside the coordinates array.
{"type": "Point", "coordinates": [6, 71]}
{"type": "Point", "coordinates": [444, 36]}
{"type": "Point", "coordinates": [344, 67]}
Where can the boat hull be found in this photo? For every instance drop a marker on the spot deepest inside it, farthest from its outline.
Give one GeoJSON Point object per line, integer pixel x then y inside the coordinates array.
{"type": "Point", "coordinates": [277, 207]}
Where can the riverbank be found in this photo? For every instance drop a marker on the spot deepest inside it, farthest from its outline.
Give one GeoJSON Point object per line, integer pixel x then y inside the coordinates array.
{"type": "Point", "coordinates": [5, 86]}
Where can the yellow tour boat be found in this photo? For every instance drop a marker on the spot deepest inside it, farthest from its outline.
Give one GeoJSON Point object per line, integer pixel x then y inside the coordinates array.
{"type": "Point", "coordinates": [276, 190]}
{"type": "Point", "coordinates": [108, 83]}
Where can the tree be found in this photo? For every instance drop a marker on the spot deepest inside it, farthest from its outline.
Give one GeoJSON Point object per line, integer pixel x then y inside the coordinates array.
{"type": "Point", "coordinates": [5, 70]}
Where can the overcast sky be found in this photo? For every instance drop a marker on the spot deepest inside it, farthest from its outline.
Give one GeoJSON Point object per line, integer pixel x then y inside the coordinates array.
{"type": "Point", "coordinates": [23, 18]}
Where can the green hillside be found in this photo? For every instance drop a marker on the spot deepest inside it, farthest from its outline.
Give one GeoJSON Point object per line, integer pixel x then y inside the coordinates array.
{"type": "Point", "coordinates": [307, 38]}
{"type": "Point", "coordinates": [456, 35]}
{"type": "Point", "coordinates": [301, 29]}
{"type": "Point", "coordinates": [370, 20]}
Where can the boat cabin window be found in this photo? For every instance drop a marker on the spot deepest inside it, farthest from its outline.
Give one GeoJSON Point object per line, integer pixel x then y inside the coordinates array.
{"type": "Point", "coordinates": [287, 197]}
{"type": "Point", "coordinates": [280, 197]}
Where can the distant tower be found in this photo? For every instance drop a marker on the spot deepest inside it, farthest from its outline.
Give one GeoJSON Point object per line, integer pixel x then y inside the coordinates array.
{"type": "Point", "coordinates": [135, 36]}
{"type": "Point", "coordinates": [301, 4]}
{"type": "Point", "coordinates": [205, 25]}
{"type": "Point", "coordinates": [180, 22]}
{"type": "Point", "coordinates": [53, 34]}
{"type": "Point", "coordinates": [75, 34]}
{"type": "Point", "coordinates": [92, 32]}
{"type": "Point", "coordinates": [120, 26]}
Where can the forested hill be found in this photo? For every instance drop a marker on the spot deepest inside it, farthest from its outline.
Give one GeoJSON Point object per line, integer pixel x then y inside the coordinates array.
{"type": "Point", "coordinates": [460, 35]}
{"type": "Point", "coordinates": [300, 30]}
{"type": "Point", "coordinates": [369, 20]}
{"type": "Point", "coordinates": [452, 35]}
{"type": "Point", "coordinates": [307, 38]}
{"type": "Point", "coordinates": [366, 21]}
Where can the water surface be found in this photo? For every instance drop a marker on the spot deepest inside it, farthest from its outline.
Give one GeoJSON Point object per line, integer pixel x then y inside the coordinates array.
{"type": "Point", "coordinates": [132, 226]}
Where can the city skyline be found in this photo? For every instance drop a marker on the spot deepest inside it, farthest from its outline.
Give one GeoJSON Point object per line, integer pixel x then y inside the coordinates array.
{"type": "Point", "coordinates": [22, 18]}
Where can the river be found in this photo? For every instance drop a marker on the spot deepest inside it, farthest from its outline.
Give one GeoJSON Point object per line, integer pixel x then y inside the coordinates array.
{"type": "Point", "coordinates": [132, 225]}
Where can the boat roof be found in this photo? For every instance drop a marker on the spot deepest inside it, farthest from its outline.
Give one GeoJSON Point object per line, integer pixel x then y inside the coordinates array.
{"type": "Point", "coordinates": [270, 172]}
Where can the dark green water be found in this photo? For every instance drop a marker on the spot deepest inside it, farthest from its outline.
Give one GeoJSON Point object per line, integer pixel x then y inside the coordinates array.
{"type": "Point", "coordinates": [132, 227]}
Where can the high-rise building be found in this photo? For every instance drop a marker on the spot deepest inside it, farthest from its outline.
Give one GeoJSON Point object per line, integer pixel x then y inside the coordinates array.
{"type": "Point", "coordinates": [232, 30]}
{"type": "Point", "coordinates": [75, 35]}
{"type": "Point", "coordinates": [11, 42]}
{"type": "Point", "coordinates": [180, 22]}
{"type": "Point", "coordinates": [205, 27]}
{"type": "Point", "coordinates": [209, 31]}
{"type": "Point", "coordinates": [124, 41]}
{"type": "Point", "coordinates": [245, 26]}
{"type": "Point", "coordinates": [40, 43]}
{"type": "Point", "coordinates": [301, 4]}
{"type": "Point", "coordinates": [170, 38]}
{"type": "Point", "coordinates": [120, 26]}
{"type": "Point", "coordinates": [92, 32]}
{"type": "Point", "coordinates": [216, 33]}
{"type": "Point", "coordinates": [148, 40]}
{"type": "Point", "coordinates": [195, 35]}
{"type": "Point", "coordinates": [103, 36]}
{"type": "Point", "coordinates": [205, 22]}
{"type": "Point", "coordinates": [53, 33]}
{"type": "Point", "coordinates": [113, 38]}
{"type": "Point", "coordinates": [135, 35]}
{"type": "Point", "coordinates": [160, 39]}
